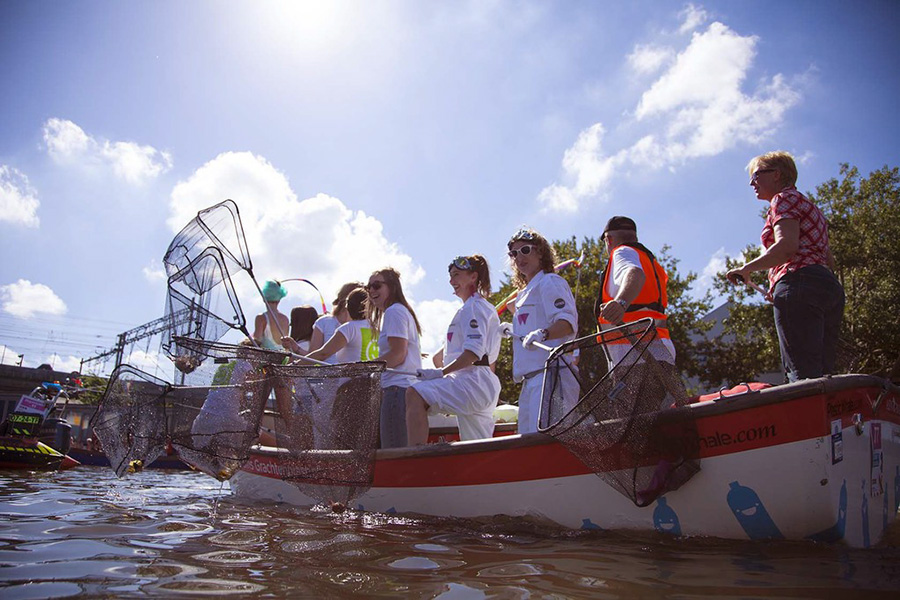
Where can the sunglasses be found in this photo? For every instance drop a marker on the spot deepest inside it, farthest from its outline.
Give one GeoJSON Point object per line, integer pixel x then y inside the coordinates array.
{"type": "Point", "coordinates": [756, 175]}
{"type": "Point", "coordinates": [374, 286]}
{"type": "Point", "coordinates": [462, 263]}
{"type": "Point", "coordinates": [524, 250]}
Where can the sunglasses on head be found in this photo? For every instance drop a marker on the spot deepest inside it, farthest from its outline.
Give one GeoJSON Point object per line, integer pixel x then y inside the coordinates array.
{"type": "Point", "coordinates": [524, 250]}
{"type": "Point", "coordinates": [462, 263]}
{"type": "Point", "coordinates": [522, 234]}
{"type": "Point", "coordinates": [374, 286]}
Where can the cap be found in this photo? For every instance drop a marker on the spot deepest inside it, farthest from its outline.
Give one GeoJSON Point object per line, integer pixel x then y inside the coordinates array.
{"type": "Point", "coordinates": [618, 223]}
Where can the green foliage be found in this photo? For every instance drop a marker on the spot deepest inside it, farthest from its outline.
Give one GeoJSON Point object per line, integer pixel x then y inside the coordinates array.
{"type": "Point", "coordinates": [93, 389]}
{"type": "Point", "coordinates": [864, 220]}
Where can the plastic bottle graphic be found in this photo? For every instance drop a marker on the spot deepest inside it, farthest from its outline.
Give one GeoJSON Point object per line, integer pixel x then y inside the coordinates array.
{"type": "Point", "coordinates": [835, 533]}
{"type": "Point", "coordinates": [665, 519]}
{"type": "Point", "coordinates": [865, 516]}
{"type": "Point", "coordinates": [748, 509]}
{"type": "Point", "coordinates": [884, 512]}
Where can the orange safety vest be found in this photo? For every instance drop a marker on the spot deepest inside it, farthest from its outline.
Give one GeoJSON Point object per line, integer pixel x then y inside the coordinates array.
{"type": "Point", "coordinates": [650, 302]}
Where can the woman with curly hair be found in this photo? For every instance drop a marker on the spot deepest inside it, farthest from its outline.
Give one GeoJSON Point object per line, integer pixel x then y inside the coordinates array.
{"type": "Point", "coordinates": [544, 310]}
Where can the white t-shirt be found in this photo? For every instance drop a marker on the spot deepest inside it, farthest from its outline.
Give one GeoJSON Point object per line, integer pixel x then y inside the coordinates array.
{"type": "Point", "coordinates": [546, 299]}
{"type": "Point", "coordinates": [327, 324]}
{"type": "Point", "coordinates": [624, 258]}
{"type": "Point", "coordinates": [475, 327]}
{"type": "Point", "coordinates": [398, 322]}
{"type": "Point", "coordinates": [361, 344]}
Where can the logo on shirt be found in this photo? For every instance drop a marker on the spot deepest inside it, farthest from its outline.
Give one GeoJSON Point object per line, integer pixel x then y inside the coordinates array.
{"type": "Point", "coordinates": [559, 303]}
{"type": "Point", "coordinates": [522, 318]}
{"type": "Point", "coordinates": [449, 336]}
{"type": "Point", "coordinates": [473, 324]}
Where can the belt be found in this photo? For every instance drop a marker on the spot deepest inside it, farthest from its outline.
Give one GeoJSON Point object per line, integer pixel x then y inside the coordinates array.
{"type": "Point", "coordinates": [482, 362]}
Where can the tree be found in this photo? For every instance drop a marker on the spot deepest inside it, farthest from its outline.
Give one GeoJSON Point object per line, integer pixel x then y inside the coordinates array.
{"type": "Point", "coordinates": [864, 229]}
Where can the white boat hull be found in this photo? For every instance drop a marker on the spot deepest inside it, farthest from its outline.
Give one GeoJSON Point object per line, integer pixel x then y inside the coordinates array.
{"type": "Point", "coordinates": [763, 476]}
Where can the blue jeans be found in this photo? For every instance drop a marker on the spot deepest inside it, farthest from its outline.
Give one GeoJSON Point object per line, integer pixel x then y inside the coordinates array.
{"type": "Point", "coordinates": [809, 308]}
{"type": "Point", "coordinates": [393, 417]}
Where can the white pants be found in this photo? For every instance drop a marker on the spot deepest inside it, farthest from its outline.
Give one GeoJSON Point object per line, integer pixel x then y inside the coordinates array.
{"type": "Point", "coordinates": [471, 394]}
{"type": "Point", "coordinates": [530, 400]}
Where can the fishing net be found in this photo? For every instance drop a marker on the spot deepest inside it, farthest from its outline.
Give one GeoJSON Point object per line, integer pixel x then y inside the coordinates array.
{"type": "Point", "coordinates": [214, 418]}
{"type": "Point", "coordinates": [131, 421]}
{"type": "Point", "coordinates": [631, 427]}
{"type": "Point", "coordinates": [201, 304]}
{"type": "Point", "coordinates": [218, 226]}
{"type": "Point", "coordinates": [330, 430]}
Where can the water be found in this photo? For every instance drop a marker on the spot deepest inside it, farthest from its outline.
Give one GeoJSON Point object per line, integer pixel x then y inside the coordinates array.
{"type": "Point", "coordinates": [179, 534]}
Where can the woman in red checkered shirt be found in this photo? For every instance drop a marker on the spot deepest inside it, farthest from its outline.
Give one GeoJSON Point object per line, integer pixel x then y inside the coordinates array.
{"type": "Point", "coordinates": [808, 298]}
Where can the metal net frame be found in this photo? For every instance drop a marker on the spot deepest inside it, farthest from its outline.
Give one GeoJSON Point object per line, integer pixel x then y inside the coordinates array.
{"type": "Point", "coordinates": [631, 427]}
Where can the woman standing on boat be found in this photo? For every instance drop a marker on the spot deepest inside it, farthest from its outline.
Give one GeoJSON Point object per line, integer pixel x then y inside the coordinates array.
{"type": "Point", "coordinates": [544, 310]}
{"type": "Point", "coordinates": [302, 320]}
{"type": "Point", "coordinates": [808, 298]}
{"type": "Point", "coordinates": [391, 316]}
{"type": "Point", "coordinates": [465, 386]}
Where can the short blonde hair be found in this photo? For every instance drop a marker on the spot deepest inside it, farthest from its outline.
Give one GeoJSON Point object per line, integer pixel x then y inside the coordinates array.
{"type": "Point", "coordinates": [779, 160]}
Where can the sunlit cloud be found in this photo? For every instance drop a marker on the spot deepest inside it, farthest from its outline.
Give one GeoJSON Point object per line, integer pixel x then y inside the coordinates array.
{"type": "Point", "coordinates": [714, 266]}
{"type": "Point", "coordinates": [435, 317]}
{"type": "Point", "coordinates": [696, 108]}
{"type": "Point", "coordinates": [24, 299]}
{"type": "Point", "coordinates": [62, 364]}
{"type": "Point", "coordinates": [67, 143]}
{"type": "Point", "coordinates": [18, 200]}
{"type": "Point", "coordinates": [8, 356]}
{"type": "Point", "coordinates": [154, 272]}
{"type": "Point", "coordinates": [647, 59]}
{"type": "Point", "coordinates": [692, 17]}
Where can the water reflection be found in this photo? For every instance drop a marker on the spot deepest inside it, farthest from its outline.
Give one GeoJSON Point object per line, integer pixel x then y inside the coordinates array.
{"type": "Point", "coordinates": [158, 534]}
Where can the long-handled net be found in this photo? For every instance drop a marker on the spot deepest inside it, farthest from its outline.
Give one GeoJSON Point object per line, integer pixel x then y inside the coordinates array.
{"type": "Point", "coordinates": [327, 419]}
{"type": "Point", "coordinates": [632, 427]}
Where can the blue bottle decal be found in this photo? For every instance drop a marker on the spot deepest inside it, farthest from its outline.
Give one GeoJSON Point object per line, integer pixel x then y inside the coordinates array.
{"type": "Point", "coordinates": [588, 524]}
{"type": "Point", "coordinates": [865, 516]}
{"type": "Point", "coordinates": [665, 519]}
{"type": "Point", "coordinates": [835, 533]}
{"type": "Point", "coordinates": [750, 513]}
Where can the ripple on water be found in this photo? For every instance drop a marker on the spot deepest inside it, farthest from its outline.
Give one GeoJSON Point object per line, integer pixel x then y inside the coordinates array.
{"type": "Point", "coordinates": [209, 587]}
{"type": "Point", "coordinates": [239, 537]}
{"type": "Point", "coordinates": [230, 557]}
{"type": "Point", "coordinates": [50, 589]}
{"type": "Point", "coordinates": [511, 570]}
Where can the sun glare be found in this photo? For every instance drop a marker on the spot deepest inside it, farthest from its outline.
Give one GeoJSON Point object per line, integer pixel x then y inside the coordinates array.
{"type": "Point", "coordinates": [309, 24]}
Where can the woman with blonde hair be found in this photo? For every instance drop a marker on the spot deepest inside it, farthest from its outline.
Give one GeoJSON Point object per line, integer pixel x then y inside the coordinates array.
{"type": "Point", "coordinates": [398, 330]}
{"type": "Point", "coordinates": [808, 299]}
{"type": "Point", "coordinates": [465, 385]}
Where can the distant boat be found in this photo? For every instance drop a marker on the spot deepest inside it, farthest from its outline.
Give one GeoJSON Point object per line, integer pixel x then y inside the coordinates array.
{"type": "Point", "coordinates": [816, 460]}
{"type": "Point", "coordinates": [30, 439]}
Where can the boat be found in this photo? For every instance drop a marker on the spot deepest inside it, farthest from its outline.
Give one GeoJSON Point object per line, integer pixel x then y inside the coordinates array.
{"type": "Point", "coordinates": [30, 438]}
{"type": "Point", "coordinates": [813, 460]}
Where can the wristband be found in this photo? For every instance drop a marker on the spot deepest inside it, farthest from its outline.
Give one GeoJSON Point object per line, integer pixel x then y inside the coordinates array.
{"type": "Point", "coordinates": [623, 303]}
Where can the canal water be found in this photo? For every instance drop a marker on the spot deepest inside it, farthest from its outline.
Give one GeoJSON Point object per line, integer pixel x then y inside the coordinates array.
{"type": "Point", "coordinates": [166, 534]}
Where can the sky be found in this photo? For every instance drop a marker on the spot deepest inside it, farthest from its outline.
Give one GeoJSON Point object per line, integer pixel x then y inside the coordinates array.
{"type": "Point", "coordinates": [358, 135]}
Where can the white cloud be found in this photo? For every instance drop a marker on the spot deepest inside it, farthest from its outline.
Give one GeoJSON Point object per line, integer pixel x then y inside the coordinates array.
{"type": "Point", "coordinates": [434, 317]}
{"type": "Point", "coordinates": [318, 238]}
{"type": "Point", "coordinates": [67, 143]}
{"type": "Point", "coordinates": [8, 356]}
{"type": "Point", "coordinates": [154, 272]}
{"type": "Point", "coordinates": [696, 108]}
{"type": "Point", "coordinates": [715, 265]}
{"type": "Point", "coordinates": [24, 299]}
{"type": "Point", "coordinates": [647, 59]}
{"type": "Point", "coordinates": [63, 364]}
{"type": "Point", "coordinates": [692, 17]}
{"type": "Point", "coordinates": [18, 200]}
